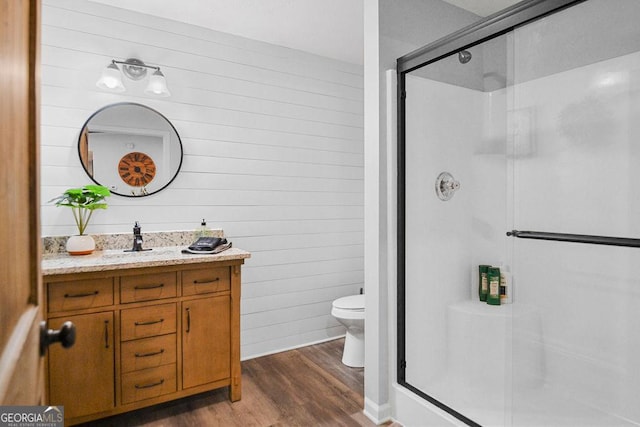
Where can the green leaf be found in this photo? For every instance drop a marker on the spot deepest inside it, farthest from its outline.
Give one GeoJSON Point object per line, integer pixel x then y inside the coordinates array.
{"type": "Point", "coordinates": [83, 201]}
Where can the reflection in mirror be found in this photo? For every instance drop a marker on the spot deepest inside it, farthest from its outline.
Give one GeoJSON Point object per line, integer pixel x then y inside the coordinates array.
{"type": "Point", "coordinates": [131, 149]}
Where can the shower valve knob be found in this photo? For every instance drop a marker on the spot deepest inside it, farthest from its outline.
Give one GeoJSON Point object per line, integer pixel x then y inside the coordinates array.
{"type": "Point", "coordinates": [446, 186]}
{"type": "Point", "coordinates": [451, 185]}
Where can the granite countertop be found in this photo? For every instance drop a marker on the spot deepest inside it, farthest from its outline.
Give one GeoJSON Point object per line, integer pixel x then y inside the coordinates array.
{"type": "Point", "coordinates": [115, 259]}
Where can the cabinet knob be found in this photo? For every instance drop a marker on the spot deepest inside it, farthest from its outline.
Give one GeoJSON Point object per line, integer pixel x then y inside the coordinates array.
{"type": "Point", "coordinates": [66, 336]}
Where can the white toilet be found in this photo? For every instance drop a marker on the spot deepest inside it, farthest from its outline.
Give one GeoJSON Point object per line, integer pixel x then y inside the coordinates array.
{"type": "Point", "coordinates": [350, 312]}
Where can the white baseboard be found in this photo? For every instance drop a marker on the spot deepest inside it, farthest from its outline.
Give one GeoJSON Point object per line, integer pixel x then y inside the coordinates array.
{"type": "Point", "coordinates": [255, 356]}
{"type": "Point", "coordinates": [377, 413]}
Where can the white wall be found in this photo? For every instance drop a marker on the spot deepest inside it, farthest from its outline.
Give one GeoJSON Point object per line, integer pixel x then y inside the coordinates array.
{"type": "Point", "coordinates": [273, 154]}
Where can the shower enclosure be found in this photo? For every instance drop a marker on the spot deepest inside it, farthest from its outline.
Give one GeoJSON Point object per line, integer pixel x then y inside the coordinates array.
{"type": "Point", "coordinates": [519, 147]}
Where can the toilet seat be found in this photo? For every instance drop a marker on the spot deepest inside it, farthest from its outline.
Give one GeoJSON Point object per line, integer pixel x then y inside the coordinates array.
{"type": "Point", "coordinates": [351, 307]}
{"type": "Point", "coordinates": [352, 302]}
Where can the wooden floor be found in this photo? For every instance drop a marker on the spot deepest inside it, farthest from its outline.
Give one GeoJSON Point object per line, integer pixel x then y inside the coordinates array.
{"type": "Point", "coordinates": [304, 387]}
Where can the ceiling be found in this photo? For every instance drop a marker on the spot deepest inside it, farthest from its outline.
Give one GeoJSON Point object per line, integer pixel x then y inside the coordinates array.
{"type": "Point", "coordinates": [482, 7]}
{"type": "Point", "coordinates": [331, 28]}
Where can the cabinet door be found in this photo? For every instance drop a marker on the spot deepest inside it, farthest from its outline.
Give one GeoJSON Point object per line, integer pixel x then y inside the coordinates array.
{"type": "Point", "coordinates": [206, 340]}
{"type": "Point", "coordinates": [82, 377]}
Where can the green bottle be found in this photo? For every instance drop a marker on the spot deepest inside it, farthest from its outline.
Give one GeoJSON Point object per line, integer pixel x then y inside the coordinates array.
{"type": "Point", "coordinates": [493, 276]}
{"type": "Point", "coordinates": [483, 282]}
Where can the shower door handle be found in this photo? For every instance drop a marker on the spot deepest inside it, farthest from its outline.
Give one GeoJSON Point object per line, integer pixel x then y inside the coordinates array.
{"type": "Point", "coordinates": [576, 238]}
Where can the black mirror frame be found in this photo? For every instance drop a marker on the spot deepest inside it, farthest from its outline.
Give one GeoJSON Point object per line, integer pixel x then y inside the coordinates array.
{"type": "Point", "coordinates": [150, 109]}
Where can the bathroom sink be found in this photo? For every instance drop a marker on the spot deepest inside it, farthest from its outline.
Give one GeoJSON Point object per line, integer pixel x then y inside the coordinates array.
{"type": "Point", "coordinates": [121, 254]}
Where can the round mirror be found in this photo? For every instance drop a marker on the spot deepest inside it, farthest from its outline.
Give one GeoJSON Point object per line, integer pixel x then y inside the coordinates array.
{"type": "Point", "coordinates": [131, 149]}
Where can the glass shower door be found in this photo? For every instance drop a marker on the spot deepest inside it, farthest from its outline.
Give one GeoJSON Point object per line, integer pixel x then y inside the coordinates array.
{"type": "Point", "coordinates": [575, 341]}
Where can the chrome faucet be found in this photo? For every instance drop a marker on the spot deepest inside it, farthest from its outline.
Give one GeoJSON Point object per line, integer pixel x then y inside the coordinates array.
{"type": "Point", "coordinates": [137, 239]}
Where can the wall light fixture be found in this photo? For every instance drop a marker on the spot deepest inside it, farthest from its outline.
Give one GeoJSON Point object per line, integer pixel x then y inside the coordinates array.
{"type": "Point", "coordinates": [135, 69]}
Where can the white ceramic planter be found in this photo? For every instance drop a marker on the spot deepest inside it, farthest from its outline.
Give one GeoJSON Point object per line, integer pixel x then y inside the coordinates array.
{"type": "Point", "coordinates": [81, 245]}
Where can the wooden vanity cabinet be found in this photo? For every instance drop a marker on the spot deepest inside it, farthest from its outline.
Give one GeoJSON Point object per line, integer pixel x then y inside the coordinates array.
{"type": "Point", "coordinates": [143, 336]}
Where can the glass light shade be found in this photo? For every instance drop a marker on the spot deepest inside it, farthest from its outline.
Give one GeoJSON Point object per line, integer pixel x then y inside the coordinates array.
{"type": "Point", "coordinates": [111, 79]}
{"type": "Point", "coordinates": [157, 85]}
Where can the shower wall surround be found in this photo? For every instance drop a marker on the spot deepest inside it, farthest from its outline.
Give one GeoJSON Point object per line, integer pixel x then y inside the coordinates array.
{"type": "Point", "coordinates": [446, 241]}
{"type": "Point", "coordinates": [273, 154]}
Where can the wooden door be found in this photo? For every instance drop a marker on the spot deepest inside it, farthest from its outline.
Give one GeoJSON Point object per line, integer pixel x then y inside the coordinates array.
{"type": "Point", "coordinates": [21, 367]}
{"type": "Point", "coordinates": [206, 341]}
{"type": "Point", "coordinates": [82, 377]}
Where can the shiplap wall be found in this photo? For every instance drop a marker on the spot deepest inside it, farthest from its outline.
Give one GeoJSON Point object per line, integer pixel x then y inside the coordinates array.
{"type": "Point", "coordinates": [273, 154]}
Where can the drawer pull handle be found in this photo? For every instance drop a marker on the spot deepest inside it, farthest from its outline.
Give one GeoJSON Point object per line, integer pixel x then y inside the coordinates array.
{"type": "Point", "coordinates": [160, 285]}
{"type": "Point", "coordinates": [138, 386]}
{"type": "Point", "coordinates": [205, 282]}
{"type": "Point", "coordinates": [88, 294]}
{"type": "Point", "coordinates": [155, 353]}
{"type": "Point", "coordinates": [151, 322]}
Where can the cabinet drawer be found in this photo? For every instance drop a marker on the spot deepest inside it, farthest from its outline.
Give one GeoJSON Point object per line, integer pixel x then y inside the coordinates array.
{"type": "Point", "coordinates": [79, 294]}
{"type": "Point", "coordinates": [147, 287]}
{"type": "Point", "coordinates": [148, 383]}
{"type": "Point", "coordinates": [147, 321]}
{"type": "Point", "coordinates": [206, 280]}
{"type": "Point", "coordinates": [148, 353]}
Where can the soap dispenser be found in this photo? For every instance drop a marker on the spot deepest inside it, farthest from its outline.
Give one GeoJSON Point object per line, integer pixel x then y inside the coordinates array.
{"type": "Point", "coordinates": [203, 230]}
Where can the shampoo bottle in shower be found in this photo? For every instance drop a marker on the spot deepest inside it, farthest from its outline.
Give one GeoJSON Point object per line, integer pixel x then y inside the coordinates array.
{"type": "Point", "coordinates": [493, 276]}
{"type": "Point", "coordinates": [505, 286]}
{"type": "Point", "coordinates": [483, 282]}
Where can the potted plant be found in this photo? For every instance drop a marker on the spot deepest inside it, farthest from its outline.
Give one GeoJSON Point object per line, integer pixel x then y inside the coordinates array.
{"type": "Point", "coordinates": [82, 201]}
